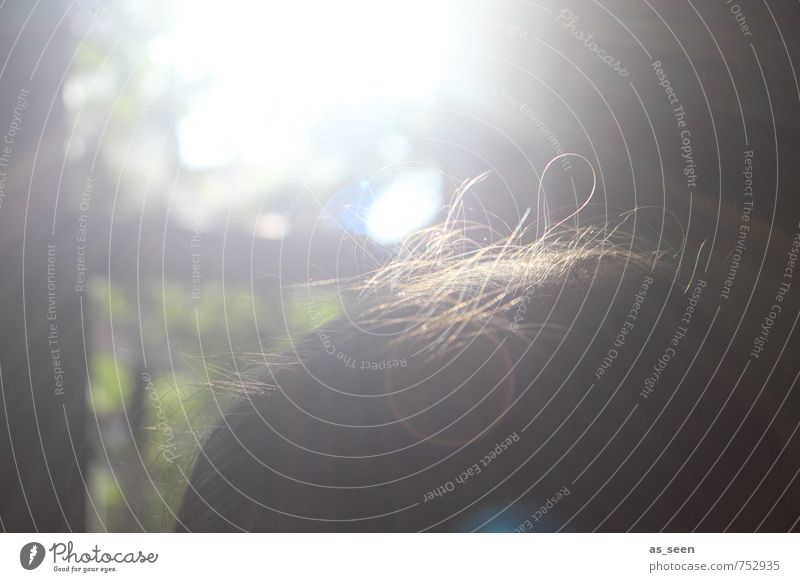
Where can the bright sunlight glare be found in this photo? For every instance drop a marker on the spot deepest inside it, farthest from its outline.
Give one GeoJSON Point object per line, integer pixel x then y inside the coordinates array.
{"type": "Point", "coordinates": [407, 204]}
{"type": "Point", "coordinates": [266, 73]}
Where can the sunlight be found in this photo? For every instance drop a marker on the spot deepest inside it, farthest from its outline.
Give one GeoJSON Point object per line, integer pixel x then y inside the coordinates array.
{"type": "Point", "coordinates": [266, 73]}
{"type": "Point", "coordinates": [407, 204]}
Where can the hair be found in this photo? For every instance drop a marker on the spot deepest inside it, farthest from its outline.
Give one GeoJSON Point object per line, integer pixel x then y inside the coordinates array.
{"type": "Point", "coordinates": [510, 385]}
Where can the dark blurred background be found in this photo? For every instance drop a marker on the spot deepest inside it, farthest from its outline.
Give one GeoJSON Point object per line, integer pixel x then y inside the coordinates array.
{"type": "Point", "coordinates": [168, 165]}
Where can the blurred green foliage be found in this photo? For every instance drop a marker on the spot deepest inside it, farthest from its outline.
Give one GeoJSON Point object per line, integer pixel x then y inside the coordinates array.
{"type": "Point", "coordinates": [163, 366]}
{"type": "Point", "coordinates": [150, 419]}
